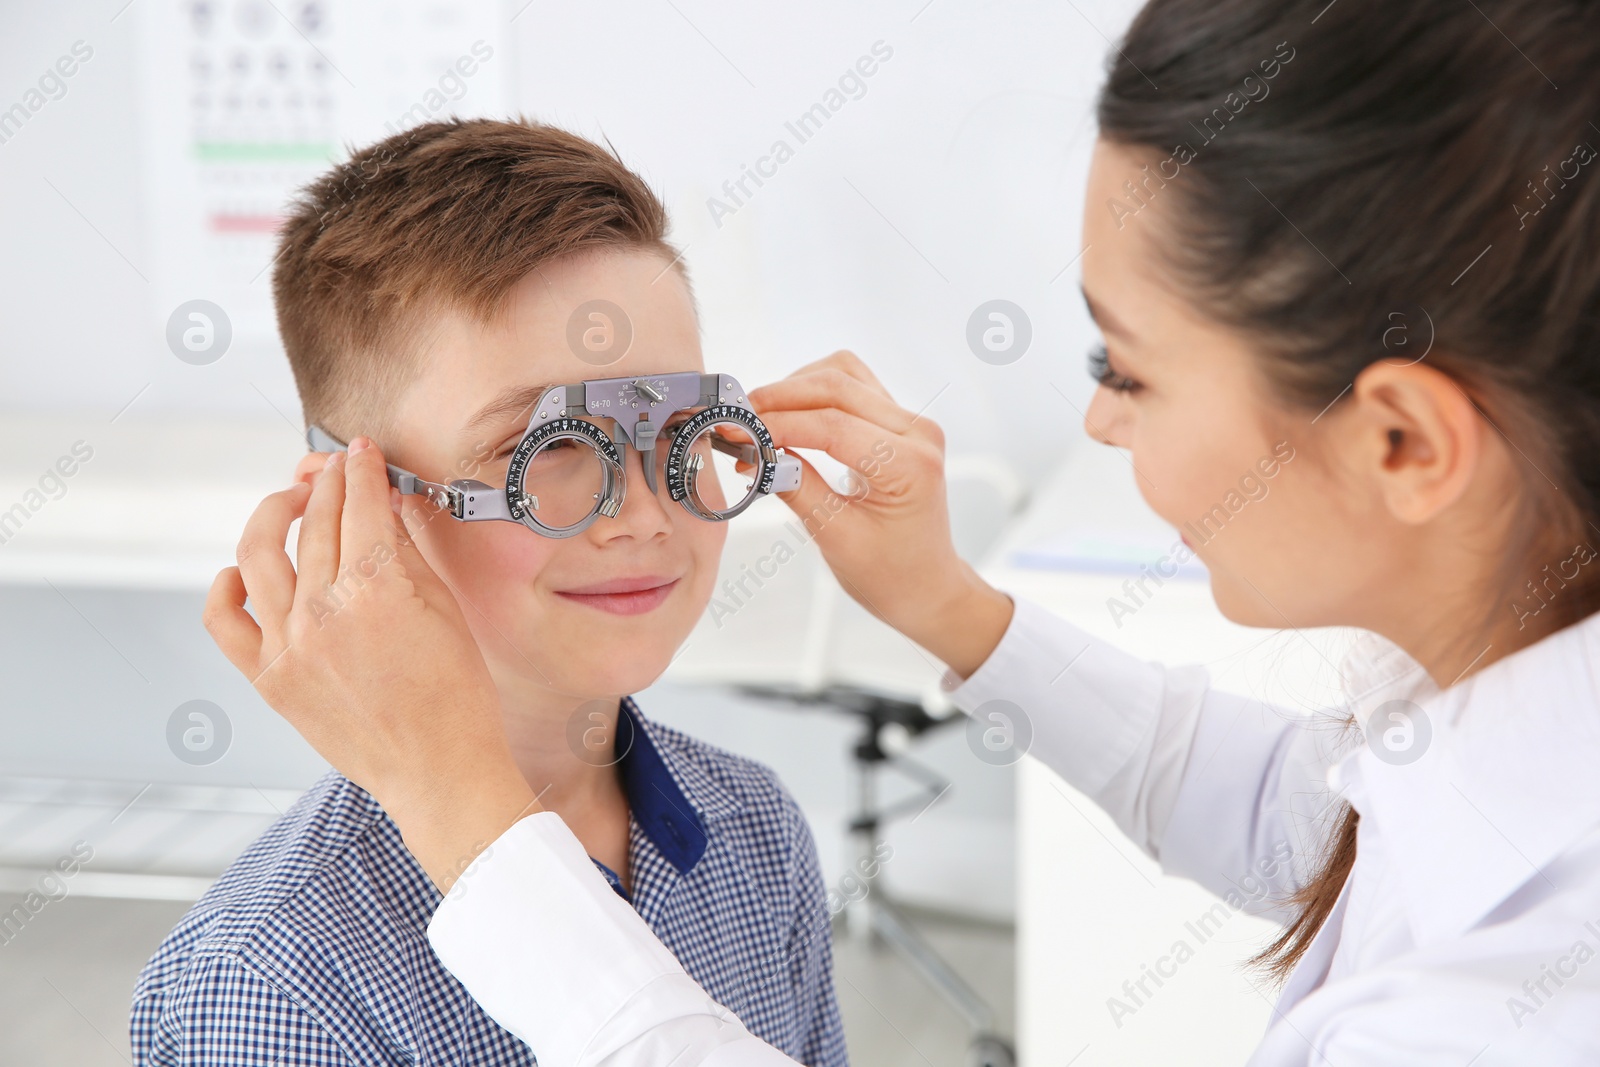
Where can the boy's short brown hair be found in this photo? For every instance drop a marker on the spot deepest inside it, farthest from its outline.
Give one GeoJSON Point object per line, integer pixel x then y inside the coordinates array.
{"type": "Point", "coordinates": [446, 215]}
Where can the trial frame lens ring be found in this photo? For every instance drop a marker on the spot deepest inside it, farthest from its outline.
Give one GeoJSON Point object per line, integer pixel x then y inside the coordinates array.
{"type": "Point", "coordinates": [607, 501]}
{"type": "Point", "coordinates": [689, 431]}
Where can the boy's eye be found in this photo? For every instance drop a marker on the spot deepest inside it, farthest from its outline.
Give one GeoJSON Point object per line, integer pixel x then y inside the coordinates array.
{"type": "Point", "coordinates": [1100, 370]}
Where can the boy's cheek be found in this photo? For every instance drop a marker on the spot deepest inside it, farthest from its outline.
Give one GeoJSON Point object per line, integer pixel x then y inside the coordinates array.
{"type": "Point", "coordinates": [716, 539]}
{"type": "Point", "coordinates": [707, 544]}
{"type": "Point", "coordinates": [494, 566]}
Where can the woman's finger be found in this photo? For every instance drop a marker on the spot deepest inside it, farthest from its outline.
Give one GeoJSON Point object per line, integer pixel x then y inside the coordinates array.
{"type": "Point", "coordinates": [860, 445]}
{"type": "Point", "coordinates": [374, 533]}
{"type": "Point", "coordinates": [307, 471]}
{"type": "Point", "coordinates": [367, 526]}
{"type": "Point", "coordinates": [832, 388]}
{"type": "Point", "coordinates": [317, 552]}
{"type": "Point", "coordinates": [264, 566]}
{"type": "Point", "coordinates": [229, 625]}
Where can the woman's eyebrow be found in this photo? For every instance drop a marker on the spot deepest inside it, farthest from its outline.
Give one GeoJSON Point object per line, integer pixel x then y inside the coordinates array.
{"type": "Point", "coordinates": [513, 400]}
{"type": "Point", "coordinates": [1108, 323]}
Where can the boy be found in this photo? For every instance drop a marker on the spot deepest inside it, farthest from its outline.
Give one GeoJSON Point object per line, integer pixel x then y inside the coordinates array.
{"type": "Point", "coordinates": [426, 290]}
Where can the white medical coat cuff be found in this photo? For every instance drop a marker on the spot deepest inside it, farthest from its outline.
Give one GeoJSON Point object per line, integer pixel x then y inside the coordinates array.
{"type": "Point", "coordinates": [555, 956]}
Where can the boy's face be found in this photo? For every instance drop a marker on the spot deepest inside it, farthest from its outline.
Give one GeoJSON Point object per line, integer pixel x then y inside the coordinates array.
{"type": "Point", "coordinates": [539, 606]}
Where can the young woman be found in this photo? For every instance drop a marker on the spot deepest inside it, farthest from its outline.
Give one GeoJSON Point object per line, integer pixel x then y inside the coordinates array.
{"type": "Point", "coordinates": [1360, 235]}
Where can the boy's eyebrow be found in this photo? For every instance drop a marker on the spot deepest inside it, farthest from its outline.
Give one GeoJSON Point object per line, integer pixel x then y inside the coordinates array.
{"type": "Point", "coordinates": [513, 400]}
{"type": "Point", "coordinates": [1105, 321]}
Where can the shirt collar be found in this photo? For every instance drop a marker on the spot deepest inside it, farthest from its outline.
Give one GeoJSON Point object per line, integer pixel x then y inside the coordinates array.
{"type": "Point", "coordinates": [1504, 780]}
{"type": "Point", "coordinates": [671, 797]}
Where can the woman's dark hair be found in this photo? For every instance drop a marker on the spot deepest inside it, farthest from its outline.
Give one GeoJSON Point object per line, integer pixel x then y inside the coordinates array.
{"type": "Point", "coordinates": [1334, 171]}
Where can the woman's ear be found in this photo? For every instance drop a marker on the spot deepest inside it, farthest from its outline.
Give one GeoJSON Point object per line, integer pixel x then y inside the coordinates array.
{"type": "Point", "coordinates": [1426, 437]}
{"type": "Point", "coordinates": [310, 465]}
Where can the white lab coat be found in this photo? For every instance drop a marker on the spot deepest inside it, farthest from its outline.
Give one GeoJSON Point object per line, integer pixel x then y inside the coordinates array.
{"type": "Point", "coordinates": [1467, 933]}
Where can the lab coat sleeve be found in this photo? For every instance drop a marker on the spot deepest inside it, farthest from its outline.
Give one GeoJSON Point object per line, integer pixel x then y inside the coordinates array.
{"type": "Point", "coordinates": [555, 956]}
{"type": "Point", "coordinates": [1204, 781]}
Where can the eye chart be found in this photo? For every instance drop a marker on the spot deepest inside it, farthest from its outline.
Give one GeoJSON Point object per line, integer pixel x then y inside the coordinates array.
{"type": "Point", "coordinates": [245, 101]}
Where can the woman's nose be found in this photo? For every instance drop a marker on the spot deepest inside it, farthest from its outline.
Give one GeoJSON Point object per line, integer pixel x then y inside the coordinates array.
{"type": "Point", "coordinates": [1103, 422]}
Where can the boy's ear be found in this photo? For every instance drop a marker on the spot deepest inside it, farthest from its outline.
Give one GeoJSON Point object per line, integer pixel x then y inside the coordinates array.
{"type": "Point", "coordinates": [310, 465]}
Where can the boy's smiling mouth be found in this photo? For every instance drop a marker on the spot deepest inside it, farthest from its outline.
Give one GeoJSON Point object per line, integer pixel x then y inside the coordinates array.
{"type": "Point", "coordinates": [624, 596]}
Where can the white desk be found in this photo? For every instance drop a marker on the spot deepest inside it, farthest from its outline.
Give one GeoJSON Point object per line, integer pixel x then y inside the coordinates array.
{"type": "Point", "coordinates": [159, 504]}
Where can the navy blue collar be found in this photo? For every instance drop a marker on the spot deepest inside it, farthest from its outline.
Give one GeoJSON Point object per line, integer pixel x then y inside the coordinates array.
{"type": "Point", "coordinates": [655, 799]}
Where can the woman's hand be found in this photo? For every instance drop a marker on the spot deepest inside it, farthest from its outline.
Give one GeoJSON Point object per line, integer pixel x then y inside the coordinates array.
{"type": "Point", "coordinates": [887, 538]}
{"type": "Point", "coordinates": [366, 653]}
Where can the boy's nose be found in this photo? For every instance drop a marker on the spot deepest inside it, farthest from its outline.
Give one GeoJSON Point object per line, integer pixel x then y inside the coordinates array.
{"type": "Point", "coordinates": [644, 513]}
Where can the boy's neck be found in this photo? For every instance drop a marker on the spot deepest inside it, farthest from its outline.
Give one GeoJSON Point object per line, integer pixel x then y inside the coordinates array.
{"type": "Point", "coordinates": [584, 790]}
{"type": "Point", "coordinates": [542, 742]}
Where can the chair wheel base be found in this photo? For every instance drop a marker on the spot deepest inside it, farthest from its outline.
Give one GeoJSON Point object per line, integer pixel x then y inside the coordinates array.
{"type": "Point", "coordinates": [987, 1050]}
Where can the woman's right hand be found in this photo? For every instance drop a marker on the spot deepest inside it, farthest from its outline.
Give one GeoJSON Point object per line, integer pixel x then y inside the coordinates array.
{"type": "Point", "coordinates": [362, 647]}
{"type": "Point", "coordinates": [887, 538]}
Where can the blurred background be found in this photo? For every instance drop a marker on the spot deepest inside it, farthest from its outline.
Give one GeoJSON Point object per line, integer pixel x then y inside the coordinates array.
{"type": "Point", "coordinates": [927, 216]}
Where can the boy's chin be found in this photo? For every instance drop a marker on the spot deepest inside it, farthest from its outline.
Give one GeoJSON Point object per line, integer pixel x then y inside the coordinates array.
{"type": "Point", "coordinates": [622, 668]}
{"type": "Point", "coordinates": [581, 650]}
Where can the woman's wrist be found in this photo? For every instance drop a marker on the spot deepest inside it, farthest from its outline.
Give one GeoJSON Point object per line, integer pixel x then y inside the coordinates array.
{"type": "Point", "coordinates": [458, 816]}
{"type": "Point", "coordinates": [965, 624]}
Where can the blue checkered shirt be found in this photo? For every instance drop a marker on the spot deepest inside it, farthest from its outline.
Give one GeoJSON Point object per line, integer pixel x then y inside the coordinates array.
{"type": "Point", "coordinates": [312, 948]}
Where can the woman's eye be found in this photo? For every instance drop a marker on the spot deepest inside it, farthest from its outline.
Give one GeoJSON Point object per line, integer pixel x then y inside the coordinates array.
{"type": "Point", "coordinates": [1100, 370]}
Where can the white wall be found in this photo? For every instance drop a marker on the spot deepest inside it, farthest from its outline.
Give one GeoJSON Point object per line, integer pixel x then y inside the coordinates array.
{"type": "Point", "coordinates": [955, 179]}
